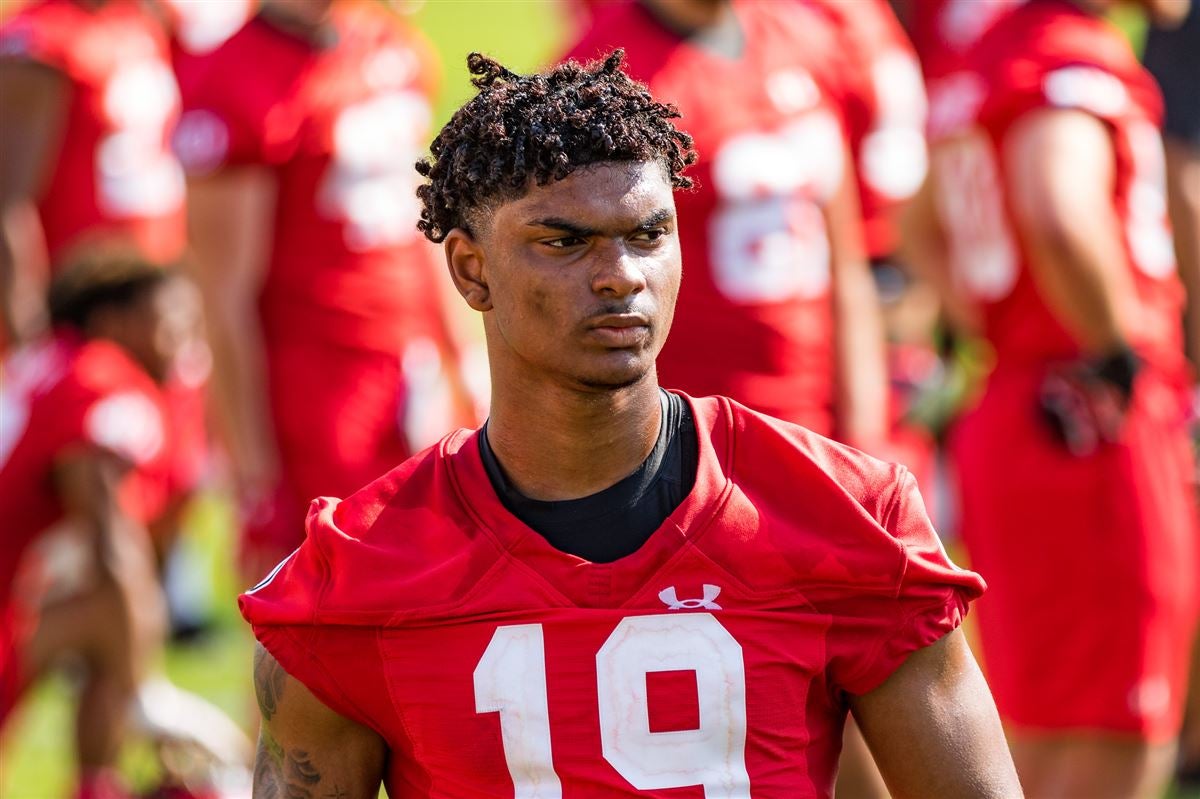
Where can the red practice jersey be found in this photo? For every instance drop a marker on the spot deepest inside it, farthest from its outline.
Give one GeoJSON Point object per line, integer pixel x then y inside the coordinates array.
{"type": "Point", "coordinates": [340, 123]}
{"type": "Point", "coordinates": [755, 297]}
{"type": "Point", "coordinates": [114, 175]}
{"type": "Point", "coordinates": [1050, 55]}
{"type": "Point", "coordinates": [62, 395]}
{"type": "Point", "coordinates": [884, 103]}
{"type": "Point", "coordinates": [944, 32]}
{"type": "Point", "coordinates": [715, 661]}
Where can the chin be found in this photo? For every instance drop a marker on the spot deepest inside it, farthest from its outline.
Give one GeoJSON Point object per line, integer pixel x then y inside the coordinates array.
{"type": "Point", "coordinates": [615, 379]}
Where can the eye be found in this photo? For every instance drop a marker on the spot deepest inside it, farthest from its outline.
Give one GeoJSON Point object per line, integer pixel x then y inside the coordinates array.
{"type": "Point", "coordinates": [650, 235]}
{"type": "Point", "coordinates": [562, 242]}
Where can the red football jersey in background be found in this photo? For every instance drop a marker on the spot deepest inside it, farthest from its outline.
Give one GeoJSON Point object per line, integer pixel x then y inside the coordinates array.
{"type": "Point", "coordinates": [944, 32]}
{"type": "Point", "coordinates": [714, 661]}
{"type": "Point", "coordinates": [883, 98]}
{"type": "Point", "coordinates": [755, 296]}
{"type": "Point", "coordinates": [1114, 529]}
{"type": "Point", "coordinates": [356, 345]}
{"type": "Point", "coordinates": [114, 175]}
{"type": "Point", "coordinates": [62, 395]}
{"type": "Point", "coordinates": [341, 125]}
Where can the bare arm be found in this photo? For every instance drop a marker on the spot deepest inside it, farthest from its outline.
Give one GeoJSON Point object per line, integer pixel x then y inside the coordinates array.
{"type": "Point", "coordinates": [305, 750]}
{"type": "Point", "coordinates": [1059, 170]}
{"type": "Point", "coordinates": [87, 484]}
{"type": "Point", "coordinates": [933, 728]}
{"type": "Point", "coordinates": [923, 245]}
{"type": "Point", "coordinates": [230, 218]}
{"type": "Point", "coordinates": [860, 369]}
{"type": "Point", "coordinates": [33, 105]}
{"type": "Point", "coordinates": [1183, 184]}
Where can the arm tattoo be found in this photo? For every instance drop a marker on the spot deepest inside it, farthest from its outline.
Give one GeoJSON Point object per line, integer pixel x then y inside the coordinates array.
{"type": "Point", "coordinates": [269, 677]}
{"type": "Point", "coordinates": [290, 775]}
{"type": "Point", "coordinates": [267, 777]}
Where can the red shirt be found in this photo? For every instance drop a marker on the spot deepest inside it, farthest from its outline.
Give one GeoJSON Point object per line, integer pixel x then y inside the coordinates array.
{"type": "Point", "coordinates": [755, 299]}
{"type": "Point", "coordinates": [884, 104]}
{"type": "Point", "coordinates": [944, 32]}
{"type": "Point", "coordinates": [61, 395]}
{"type": "Point", "coordinates": [720, 654]}
{"type": "Point", "coordinates": [114, 174]}
{"type": "Point", "coordinates": [1049, 54]}
{"type": "Point", "coordinates": [340, 125]}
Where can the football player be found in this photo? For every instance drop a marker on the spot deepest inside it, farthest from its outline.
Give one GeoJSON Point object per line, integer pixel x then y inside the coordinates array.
{"type": "Point", "coordinates": [332, 353]}
{"type": "Point", "coordinates": [82, 458]}
{"type": "Point", "coordinates": [1046, 214]}
{"type": "Point", "coordinates": [608, 590]}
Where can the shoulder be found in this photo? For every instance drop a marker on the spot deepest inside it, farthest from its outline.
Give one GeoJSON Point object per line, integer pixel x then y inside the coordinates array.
{"type": "Point", "coordinates": [41, 32]}
{"type": "Point", "coordinates": [1058, 57]}
{"type": "Point", "coordinates": [805, 511]}
{"type": "Point", "coordinates": [771, 452]}
{"type": "Point", "coordinates": [403, 543]}
{"type": "Point", "coordinates": [627, 25]}
{"type": "Point", "coordinates": [119, 406]}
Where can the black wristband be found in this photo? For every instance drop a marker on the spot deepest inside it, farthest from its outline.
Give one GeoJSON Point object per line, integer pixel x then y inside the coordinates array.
{"type": "Point", "coordinates": [1119, 368]}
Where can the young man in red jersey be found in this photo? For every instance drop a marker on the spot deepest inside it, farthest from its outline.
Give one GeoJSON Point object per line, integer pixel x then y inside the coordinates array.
{"type": "Point", "coordinates": [88, 101]}
{"type": "Point", "coordinates": [609, 590]}
{"type": "Point", "coordinates": [82, 454]}
{"type": "Point", "coordinates": [332, 353]}
{"type": "Point", "coordinates": [1046, 215]}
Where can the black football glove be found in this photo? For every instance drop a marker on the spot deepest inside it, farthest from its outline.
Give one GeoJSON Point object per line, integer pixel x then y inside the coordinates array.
{"type": "Point", "coordinates": [1084, 402]}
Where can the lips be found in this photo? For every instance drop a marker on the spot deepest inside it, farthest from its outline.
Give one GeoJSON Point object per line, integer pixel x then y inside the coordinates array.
{"type": "Point", "coordinates": [619, 330]}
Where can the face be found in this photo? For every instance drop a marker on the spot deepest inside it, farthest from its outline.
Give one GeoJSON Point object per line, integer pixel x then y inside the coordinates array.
{"type": "Point", "coordinates": [158, 328]}
{"type": "Point", "coordinates": [577, 279]}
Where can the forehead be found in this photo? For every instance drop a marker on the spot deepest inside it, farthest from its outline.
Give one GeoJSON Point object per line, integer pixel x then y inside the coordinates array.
{"type": "Point", "coordinates": [612, 191]}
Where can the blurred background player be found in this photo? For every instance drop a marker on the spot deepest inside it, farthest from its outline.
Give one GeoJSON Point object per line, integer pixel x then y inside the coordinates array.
{"type": "Point", "coordinates": [333, 357]}
{"type": "Point", "coordinates": [83, 460]}
{"type": "Point", "coordinates": [88, 101]}
{"type": "Point", "coordinates": [778, 310]}
{"type": "Point", "coordinates": [1173, 56]}
{"type": "Point", "coordinates": [1046, 205]}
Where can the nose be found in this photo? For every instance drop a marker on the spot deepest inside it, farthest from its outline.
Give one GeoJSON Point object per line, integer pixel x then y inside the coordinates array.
{"type": "Point", "coordinates": [617, 272]}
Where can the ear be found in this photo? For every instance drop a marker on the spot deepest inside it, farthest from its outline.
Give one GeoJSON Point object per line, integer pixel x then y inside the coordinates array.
{"type": "Point", "coordinates": [465, 260]}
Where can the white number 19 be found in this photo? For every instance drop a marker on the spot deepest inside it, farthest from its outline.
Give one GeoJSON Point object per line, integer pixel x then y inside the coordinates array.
{"type": "Point", "coordinates": [511, 679]}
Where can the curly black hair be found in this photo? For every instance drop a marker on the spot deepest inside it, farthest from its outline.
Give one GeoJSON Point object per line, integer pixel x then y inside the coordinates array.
{"type": "Point", "coordinates": [544, 127]}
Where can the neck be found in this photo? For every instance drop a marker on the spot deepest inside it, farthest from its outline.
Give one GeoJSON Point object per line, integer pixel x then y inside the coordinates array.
{"type": "Point", "coordinates": [299, 20]}
{"type": "Point", "coordinates": [687, 17]}
{"type": "Point", "coordinates": [557, 442]}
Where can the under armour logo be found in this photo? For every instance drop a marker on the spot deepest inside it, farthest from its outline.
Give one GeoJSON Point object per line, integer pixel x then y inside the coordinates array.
{"type": "Point", "coordinates": [672, 600]}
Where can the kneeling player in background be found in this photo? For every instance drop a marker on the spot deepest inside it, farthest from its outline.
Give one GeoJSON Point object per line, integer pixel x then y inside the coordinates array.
{"type": "Point", "coordinates": [84, 469]}
{"type": "Point", "coordinates": [609, 590]}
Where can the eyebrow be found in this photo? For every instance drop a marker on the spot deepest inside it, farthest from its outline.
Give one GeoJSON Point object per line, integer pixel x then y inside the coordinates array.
{"type": "Point", "coordinates": [567, 226]}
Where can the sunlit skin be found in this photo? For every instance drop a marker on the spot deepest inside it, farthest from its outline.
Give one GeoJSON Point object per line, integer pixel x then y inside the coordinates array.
{"type": "Point", "coordinates": [577, 282]}
{"type": "Point", "coordinates": [155, 328]}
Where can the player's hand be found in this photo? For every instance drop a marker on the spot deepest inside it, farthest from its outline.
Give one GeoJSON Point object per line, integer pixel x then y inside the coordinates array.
{"type": "Point", "coordinates": [1084, 402]}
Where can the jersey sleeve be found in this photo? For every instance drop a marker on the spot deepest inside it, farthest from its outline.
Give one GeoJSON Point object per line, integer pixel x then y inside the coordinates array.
{"type": "Point", "coordinates": [339, 663]}
{"type": "Point", "coordinates": [223, 123]}
{"type": "Point", "coordinates": [874, 634]}
{"type": "Point", "coordinates": [40, 34]}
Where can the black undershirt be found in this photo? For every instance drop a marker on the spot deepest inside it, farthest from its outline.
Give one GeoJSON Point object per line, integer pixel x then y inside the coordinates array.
{"type": "Point", "coordinates": [614, 522]}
